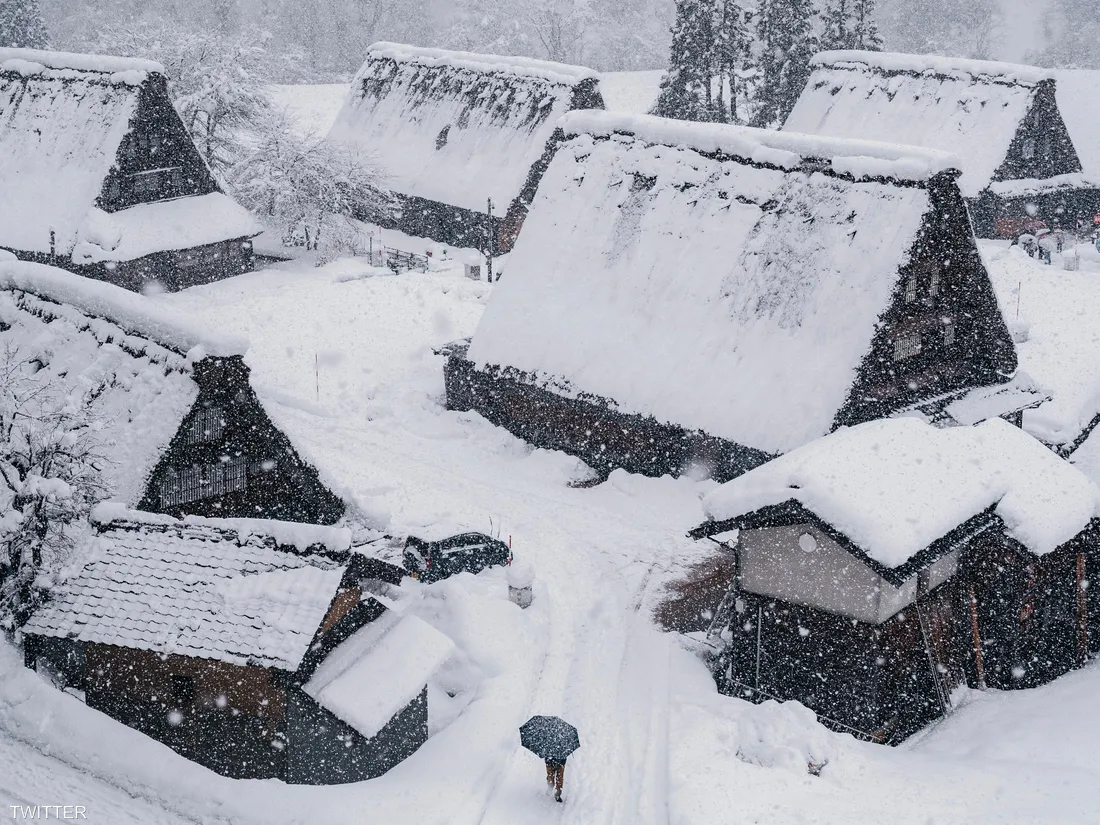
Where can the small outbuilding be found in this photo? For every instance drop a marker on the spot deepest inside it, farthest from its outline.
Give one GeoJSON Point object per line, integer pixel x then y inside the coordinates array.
{"type": "Point", "coordinates": [178, 426]}
{"type": "Point", "coordinates": [100, 176]}
{"type": "Point", "coordinates": [881, 568]}
{"type": "Point", "coordinates": [1018, 160]}
{"type": "Point", "coordinates": [705, 296]}
{"type": "Point", "coordinates": [255, 648]}
{"type": "Point", "coordinates": [462, 138]}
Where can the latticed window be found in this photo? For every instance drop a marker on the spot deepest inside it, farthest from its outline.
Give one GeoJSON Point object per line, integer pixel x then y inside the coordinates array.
{"type": "Point", "coordinates": [182, 485]}
{"type": "Point", "coordinates": [207, 426]}
{"type": "Point", "coordinates": [910, 289]}
{"type": "Point", "coordinates": [949, 332]}
{"type": "Point", "coordinates": [934, 283]}
{"type": "Point", "coordinates": [906, 346]}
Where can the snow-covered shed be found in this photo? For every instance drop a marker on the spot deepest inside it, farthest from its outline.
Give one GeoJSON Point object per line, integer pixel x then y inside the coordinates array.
{"type": "Point", "coordinates": [202, 633]}
{"type": "Point", "coordinates": [99, 175]}
{"type": "Point", "coordinates": [692, 294]}
{"type": "Point", "coordinates": [1018, 160]}
{"type": "Point", "coordinates": [178, 425]}
{"type": "Point", "coordinates": [456, 132]}
{"type": "Point", "coordinates": [880, 567]}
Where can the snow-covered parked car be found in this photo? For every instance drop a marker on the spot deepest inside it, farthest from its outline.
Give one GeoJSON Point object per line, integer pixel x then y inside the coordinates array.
{"type": "Point", "coordinates": [431, 561]}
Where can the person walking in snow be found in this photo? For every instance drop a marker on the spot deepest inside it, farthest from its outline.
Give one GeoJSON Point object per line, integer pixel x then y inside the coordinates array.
{"type": "Point", "coordinates": [555, 777]}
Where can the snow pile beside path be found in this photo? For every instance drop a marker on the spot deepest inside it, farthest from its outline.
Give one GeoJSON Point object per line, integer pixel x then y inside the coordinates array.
{"type": "Point", "coordinates": [134, 313]}
{"type": "Point", "coordinates": [895, 486]}
{"type": "Point", "coordinates": [781, 735]}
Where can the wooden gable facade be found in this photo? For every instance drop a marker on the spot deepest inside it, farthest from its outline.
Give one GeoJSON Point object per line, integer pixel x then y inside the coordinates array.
{"type": "Point", "coordinates": [938, 330]}
{"type": "Point", "coordinates": [131, 201]}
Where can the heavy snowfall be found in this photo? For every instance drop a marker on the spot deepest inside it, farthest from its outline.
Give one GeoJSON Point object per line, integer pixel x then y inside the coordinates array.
{"type": "Point", "coordinates": [292, 294]}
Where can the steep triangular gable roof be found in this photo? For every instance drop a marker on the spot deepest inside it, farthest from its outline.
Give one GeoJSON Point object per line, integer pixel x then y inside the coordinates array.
{"type": "Point", "coordinates": [131, 356]}
{"type": "Point", "coordinates": [721, 278]}
{"type": "Point", "coordinates": [63, 119]}
{"type": "Point", "coordinates": [456, 127]}
{"type": "Point", "coordinates": [971, 108]}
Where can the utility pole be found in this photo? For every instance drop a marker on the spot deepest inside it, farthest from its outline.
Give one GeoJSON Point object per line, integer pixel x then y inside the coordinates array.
{"type": "Point", "coordinates": [489, 245]}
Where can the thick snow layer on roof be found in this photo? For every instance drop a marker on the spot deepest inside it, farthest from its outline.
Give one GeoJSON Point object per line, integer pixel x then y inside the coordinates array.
{"type": "Point", "coordinates": [671, 282]}
{"type": "Point", "coordinates": [58, 139]}
{"type": "Point", "coordinates": [193, 590]}
{"type": "Point", "coordinates": [99, 63]}
{"type": "Point", "coordinates": [1078, 94]}
{"type": "Point", "coordinates": [181, 223]}
{"type": "Point", "coordinates": [520, 66]}
{"type": "Point", "coordinates": [859, 158]}
{"type": "Point", "coordinates": [453, 127]}
{"type": "Point", "coordinates": [130, 311]}
{"type": "Point", "coordinates": [936, 64]}
{"type": "Point", "coordinates": [633, 92]}
{"type": "Point", "coordinates": [1024, 187]}
{"type": "Point", "coordinates": [382, 667]}
{"type": "Point", "coordinates": [893, 487]}
{"type": "Point", "coordinates": [120, 351]}
{"type": "Point", "coordinates": [921, 101]}
{"type": "Point", "coordinates": [284, 533]}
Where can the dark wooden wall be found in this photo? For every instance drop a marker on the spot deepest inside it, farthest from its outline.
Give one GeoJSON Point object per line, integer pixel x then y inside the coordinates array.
{"type": "Point", "coordinates": [946, 279]}
{"type": "Point", "coordinates": [279, 484]}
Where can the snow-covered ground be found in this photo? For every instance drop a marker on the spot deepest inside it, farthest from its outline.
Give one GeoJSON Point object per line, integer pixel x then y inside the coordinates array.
{"type": "Point", "coordinates": [659, 745]}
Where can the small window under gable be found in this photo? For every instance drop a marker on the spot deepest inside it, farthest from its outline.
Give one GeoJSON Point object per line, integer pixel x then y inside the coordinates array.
{"type": "Point", "coordinates": [906, 346]}
{"type": "Point", "coordinates": [1028, 148]}
{"type": "Point", "coordinates": [911, 289]}
{"type": "Point", "coordinates": [207, 426]}
{"type": "Point", "coordinates": [934, 283]}
{"type": "Point", "coordinates": [200, 481]}
{"type": "Point", "coordinates": [948, 332]}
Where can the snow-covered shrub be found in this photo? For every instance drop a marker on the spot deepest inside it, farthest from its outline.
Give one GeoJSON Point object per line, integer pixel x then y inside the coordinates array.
{"type": "Point", "coordinates": [309, 189]}
{"type": "Point", "coordinates": [783, 735]}
{"type": "Point", "coordinates": [50, 469]}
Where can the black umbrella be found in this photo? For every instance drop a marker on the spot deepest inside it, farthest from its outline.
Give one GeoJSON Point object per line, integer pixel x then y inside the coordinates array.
{"type": "Point", "coordinates": [550, 738]}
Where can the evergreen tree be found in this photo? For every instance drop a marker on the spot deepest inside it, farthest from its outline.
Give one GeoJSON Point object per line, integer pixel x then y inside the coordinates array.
{"type": "Point", "coordinates": [864, 28]}
{"type": "Point", "coordinates": [21, 25]}
{"type": "Point", "coordinates": [787, 43]}
{"type": "Point", "coordinates": [733, 54]}
{"type": "Point", "coordinates": [686, 84]}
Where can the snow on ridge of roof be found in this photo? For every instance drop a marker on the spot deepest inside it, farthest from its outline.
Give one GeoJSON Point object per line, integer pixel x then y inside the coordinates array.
{"type": "Point", "coordinates": [34, 61]}
{"type": "Point", "coordinates": [378, 670]}
{"type": "Point", "coordinates": [520, 66]}
{"type": "Point", "coordinates": [858, 158]}
{"type": "Point", "coordinates": [989, 70]}
{"type": "Point", "coordinates": [298, 535]}
{"type": "Point", "coordinates": [134, 313]}
{"type": "Point", "coordinates": [895, 486]}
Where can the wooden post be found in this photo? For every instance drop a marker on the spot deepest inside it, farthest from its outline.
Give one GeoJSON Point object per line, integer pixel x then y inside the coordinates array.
{"type": "Point", "coordinates": [1082, 610]}
{"type": "Point", "coordinates": [977, 638]}
{"type": "Point", "coordinates": [759, 622]}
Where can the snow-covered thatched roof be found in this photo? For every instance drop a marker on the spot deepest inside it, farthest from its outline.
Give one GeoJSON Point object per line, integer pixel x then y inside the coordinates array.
{"type": "Point", "coordinates": [720, 278]}
{"type": "Point", "coordinates": [131, 357]}
{"type": "Point", "coordinates": [894, 487]}
{"type": "Point", "coordinates": [63, 118]}
{"type": "Point", "coordinates": [1079, 103]}
{"type": "Point", "coordinates": [222, 589]}
{"type": "Point", "coordinates": [456, 127]}
{"type": "Point", "coordinates": [971, 108]}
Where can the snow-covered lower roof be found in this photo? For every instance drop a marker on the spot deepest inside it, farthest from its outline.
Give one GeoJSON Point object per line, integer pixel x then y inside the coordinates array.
{"type": "Point", "coordinates": [455, 127]}
{"type": "Point", "coordinates": [378, 670]}
{"type": "Point", "coordinates": [181, 223]}
{"type": "Point", "coordinates": [130, 357]}
{"type": "Point", "coordinates": [1025, 187]}
{"type": "Point", "coordinates": [1078, 95]}
{"type": "Point", "coordinates": [671, 280]}
{"type": "Point", "coordinates": [193, 589]}
{"type": "Point", "coordinates": [970, 108]}
{"type": "Point", "coordinates": [894, 487]}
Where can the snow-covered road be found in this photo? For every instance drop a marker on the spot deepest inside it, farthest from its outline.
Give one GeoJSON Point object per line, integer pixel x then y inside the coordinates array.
{"type": "Point", "coordinates": [344, 361]}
